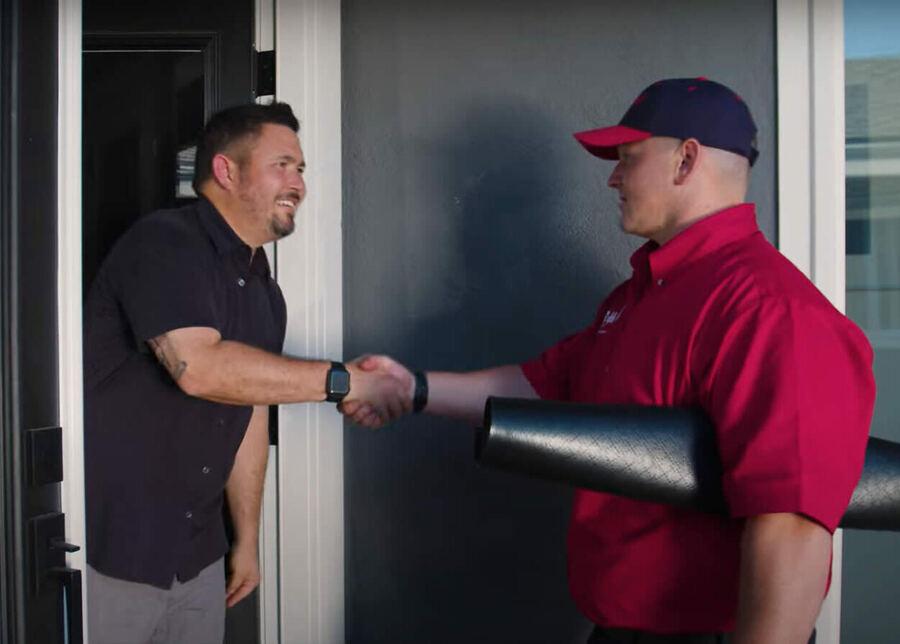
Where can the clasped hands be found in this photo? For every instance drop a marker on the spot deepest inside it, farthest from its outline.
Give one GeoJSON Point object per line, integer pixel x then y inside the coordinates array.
{"type": "Point", "coordinates": [381, 390]}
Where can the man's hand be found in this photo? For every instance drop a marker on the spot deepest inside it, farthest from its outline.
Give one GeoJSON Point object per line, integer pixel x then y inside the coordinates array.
{"type": "Point", "coordinates": [243, 573]}
{"type": "Point", "coordinates": [381, 390]}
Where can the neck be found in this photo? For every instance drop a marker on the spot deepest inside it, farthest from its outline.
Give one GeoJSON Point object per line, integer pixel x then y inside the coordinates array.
{"type": "Point", "coordinates": [698, 212]}
{"type": "Point", "coordinates": [231, 213]}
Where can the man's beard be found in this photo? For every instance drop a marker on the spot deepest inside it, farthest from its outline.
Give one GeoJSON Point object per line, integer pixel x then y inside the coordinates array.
{"type": "Point", "coordinates": [281, 228]}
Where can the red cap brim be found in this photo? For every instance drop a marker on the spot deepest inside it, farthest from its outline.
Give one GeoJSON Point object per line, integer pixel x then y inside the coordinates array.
{"type": "Point", "coordinates": [604, 142]}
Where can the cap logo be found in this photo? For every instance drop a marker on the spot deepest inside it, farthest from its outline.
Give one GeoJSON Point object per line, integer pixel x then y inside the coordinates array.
{"type": "Point", "coordinates": [640, 99]}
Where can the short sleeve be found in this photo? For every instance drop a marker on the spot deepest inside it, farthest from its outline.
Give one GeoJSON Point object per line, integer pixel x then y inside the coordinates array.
{"type": "Point", "coordinates": [550, 372]}
{"type": "Point", "coordinates": [281, 320]}
{"type": "Point", "coordinates": [166, 280]}
{"type": "Point", "coordinates": [790, 390]}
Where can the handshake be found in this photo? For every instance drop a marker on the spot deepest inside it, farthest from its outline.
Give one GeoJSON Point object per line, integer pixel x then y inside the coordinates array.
{"type": "Point", "coordinates": [381, 390]}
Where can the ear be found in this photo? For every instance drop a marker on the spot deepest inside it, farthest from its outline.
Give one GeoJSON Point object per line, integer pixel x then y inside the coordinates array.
{"type": "Point", "coordinates": [225, 172]}
{"type": "Point", "coordinates": [689, 158]}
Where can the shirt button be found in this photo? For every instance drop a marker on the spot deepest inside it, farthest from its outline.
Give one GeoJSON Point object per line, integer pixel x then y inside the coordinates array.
{"type": "Point", "coordinates": [220, 422]}
{"type": "Point", "coordinates": [188, 514]}
{"type": "Point", "coordinates": [660, 282]}
{"type": "Point", "coordinates": [205, 469]}
{"type": "Point", "coordinates": [241, 281]}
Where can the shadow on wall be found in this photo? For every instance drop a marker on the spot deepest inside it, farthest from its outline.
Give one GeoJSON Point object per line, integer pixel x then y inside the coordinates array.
{"type": "Point", "coordinates": [518, 269]}
{"type": "Point", "coordinates": [496, 267]}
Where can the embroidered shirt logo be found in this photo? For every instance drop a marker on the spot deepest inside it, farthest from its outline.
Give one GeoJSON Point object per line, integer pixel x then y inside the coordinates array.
{"type": "Point", "coordinates": [610, 317]}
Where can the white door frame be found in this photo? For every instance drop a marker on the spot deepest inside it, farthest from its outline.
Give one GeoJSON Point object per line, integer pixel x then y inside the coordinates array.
{"type": "Point", "coordinates": [811, 202]}
{"type": "Point", "coordinates": [269, 605]}
{"type": "Point", "coordinates": [310, 264]}
{"type": "Point", "coordinates": [71, 415]}
{"type": "Point", "coordinates": [311, 450]}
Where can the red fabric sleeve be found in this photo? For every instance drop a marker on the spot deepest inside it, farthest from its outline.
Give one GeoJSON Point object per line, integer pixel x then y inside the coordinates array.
{"type": "Point", "coordinates": [550, 372]}
{"type": "Point", "coordinates": [790, 390]}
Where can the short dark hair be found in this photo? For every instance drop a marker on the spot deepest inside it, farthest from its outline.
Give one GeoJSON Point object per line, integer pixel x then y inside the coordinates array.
{"type": "Point", "coordinates": [227, 127]}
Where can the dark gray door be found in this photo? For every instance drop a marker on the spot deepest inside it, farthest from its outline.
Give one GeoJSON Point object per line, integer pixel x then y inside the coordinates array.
{"type": "Point", "coordinates": [39, 597]}
{"type": "Point", "coordinates": [153, 72]}
{"type": "Point", "coordinates": [477, 232]}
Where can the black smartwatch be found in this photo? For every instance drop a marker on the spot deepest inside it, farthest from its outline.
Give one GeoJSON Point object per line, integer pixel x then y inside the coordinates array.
{"type": "Point", "coordinates": [337, 383]}
{"type": "Point", "coordinates": [420, 394]}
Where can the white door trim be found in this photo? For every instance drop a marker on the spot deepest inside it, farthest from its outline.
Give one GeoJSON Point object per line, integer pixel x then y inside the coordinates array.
{"type": "Point", "coordinates": [311, 459]}
{"type": "Point", "coordinates": [269, 604]}
{"type": "Point", "coordinates": [811, 205]}
{"type": "Point", "coordinates": [69, 276]}
{"type": "Point", "coordinates": [71, 416]}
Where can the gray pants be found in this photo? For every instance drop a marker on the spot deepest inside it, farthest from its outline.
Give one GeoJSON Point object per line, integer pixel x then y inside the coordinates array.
{"type": "Point", "coordinates": [125, 612]}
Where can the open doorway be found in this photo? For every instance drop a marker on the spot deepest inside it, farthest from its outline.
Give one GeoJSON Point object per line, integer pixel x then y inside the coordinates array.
{"type": "Point", "coordinates": [152, 73]}
{"type": "Point", "coordinates": [302, 549]}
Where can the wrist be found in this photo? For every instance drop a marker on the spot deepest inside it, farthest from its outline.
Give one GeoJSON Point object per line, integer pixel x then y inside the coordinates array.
{"type": "Point", "coordinates": [356, 377]}
{"type": "Point", "coordinates": [245, 543]}
{"type": "Point", "coordinates": [337, 382]}
{"type": "Point", "coordinates": [420, 391]}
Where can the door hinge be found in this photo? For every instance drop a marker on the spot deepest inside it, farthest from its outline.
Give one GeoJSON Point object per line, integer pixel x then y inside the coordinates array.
{"type": "Point", "coordinates": [265, 73]}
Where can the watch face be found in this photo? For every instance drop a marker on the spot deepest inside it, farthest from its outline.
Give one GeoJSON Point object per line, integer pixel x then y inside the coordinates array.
{"type": "Point", "coordinates": [340, 382]}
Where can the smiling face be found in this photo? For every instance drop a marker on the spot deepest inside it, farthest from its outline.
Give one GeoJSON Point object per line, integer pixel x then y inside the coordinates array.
{"type": "Point", "coordinates": [270, 182]}
{"type": "Point", "coordinates": [644, 178]}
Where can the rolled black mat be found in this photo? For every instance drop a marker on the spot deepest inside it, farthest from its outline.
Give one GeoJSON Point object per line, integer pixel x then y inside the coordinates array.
{"type": "Point", "coordinates": [659, 454]}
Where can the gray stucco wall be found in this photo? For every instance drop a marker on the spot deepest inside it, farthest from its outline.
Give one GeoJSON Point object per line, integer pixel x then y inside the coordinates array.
{"type": "Point", "coordinates": [477, 232]}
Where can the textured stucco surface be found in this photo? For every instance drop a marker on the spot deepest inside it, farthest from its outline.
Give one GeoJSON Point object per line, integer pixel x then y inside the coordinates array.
{"type": "Point", "coordinates": [477, 232]}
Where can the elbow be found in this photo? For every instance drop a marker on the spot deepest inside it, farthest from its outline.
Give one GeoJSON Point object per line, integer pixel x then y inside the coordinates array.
{"type": "Point", "coordinates": [193, 383]}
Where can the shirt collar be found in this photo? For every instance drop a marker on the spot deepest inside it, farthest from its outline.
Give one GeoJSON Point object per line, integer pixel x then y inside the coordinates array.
{"type": "Point", "coordinates": [220, 233]}
{"type": "Point", "coordinates": [696, 241]}
{"type": "Point", "coordinates": [226, 241]}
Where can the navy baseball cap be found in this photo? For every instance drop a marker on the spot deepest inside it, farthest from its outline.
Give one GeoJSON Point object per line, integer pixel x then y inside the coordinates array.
{"type": "Point", "coordinates": [682, 108]}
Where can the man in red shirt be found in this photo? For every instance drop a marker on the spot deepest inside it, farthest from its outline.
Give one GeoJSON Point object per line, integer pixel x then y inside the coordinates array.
{"type": "Point", "coordinates": [713, 316]}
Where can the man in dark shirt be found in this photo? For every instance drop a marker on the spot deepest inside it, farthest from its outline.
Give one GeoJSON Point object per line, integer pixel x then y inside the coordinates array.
{"type": "Point", "coordinates": [184, 327]}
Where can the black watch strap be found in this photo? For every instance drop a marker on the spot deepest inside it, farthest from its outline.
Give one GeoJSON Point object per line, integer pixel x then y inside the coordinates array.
{"type": "Point", "coordinates": [337, 383]}
{"type": "Point", "coordinates": [420, 397]}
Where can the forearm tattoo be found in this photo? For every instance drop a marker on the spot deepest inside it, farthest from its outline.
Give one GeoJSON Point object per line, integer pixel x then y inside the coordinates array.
{"type": "Point", "coordinates": [165, 353]}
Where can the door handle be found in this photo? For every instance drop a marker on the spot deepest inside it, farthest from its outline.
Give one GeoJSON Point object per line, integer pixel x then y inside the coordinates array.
{"type": "Point", "coordinates": [71, 581]}
{"type": "Point", "coordinates": [59, 543]}
{"type": "Point", "coordinates": [49, 570]}
{"type": "Point", "coordinates": [48, 547]}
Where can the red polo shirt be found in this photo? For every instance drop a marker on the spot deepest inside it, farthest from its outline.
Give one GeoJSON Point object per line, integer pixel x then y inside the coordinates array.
{"type": "Point", "coordinates": [718, 318]}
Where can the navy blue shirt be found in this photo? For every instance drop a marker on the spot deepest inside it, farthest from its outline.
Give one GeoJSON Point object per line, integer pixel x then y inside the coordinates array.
{"type": "Point", "coordinates": [156, 459]}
